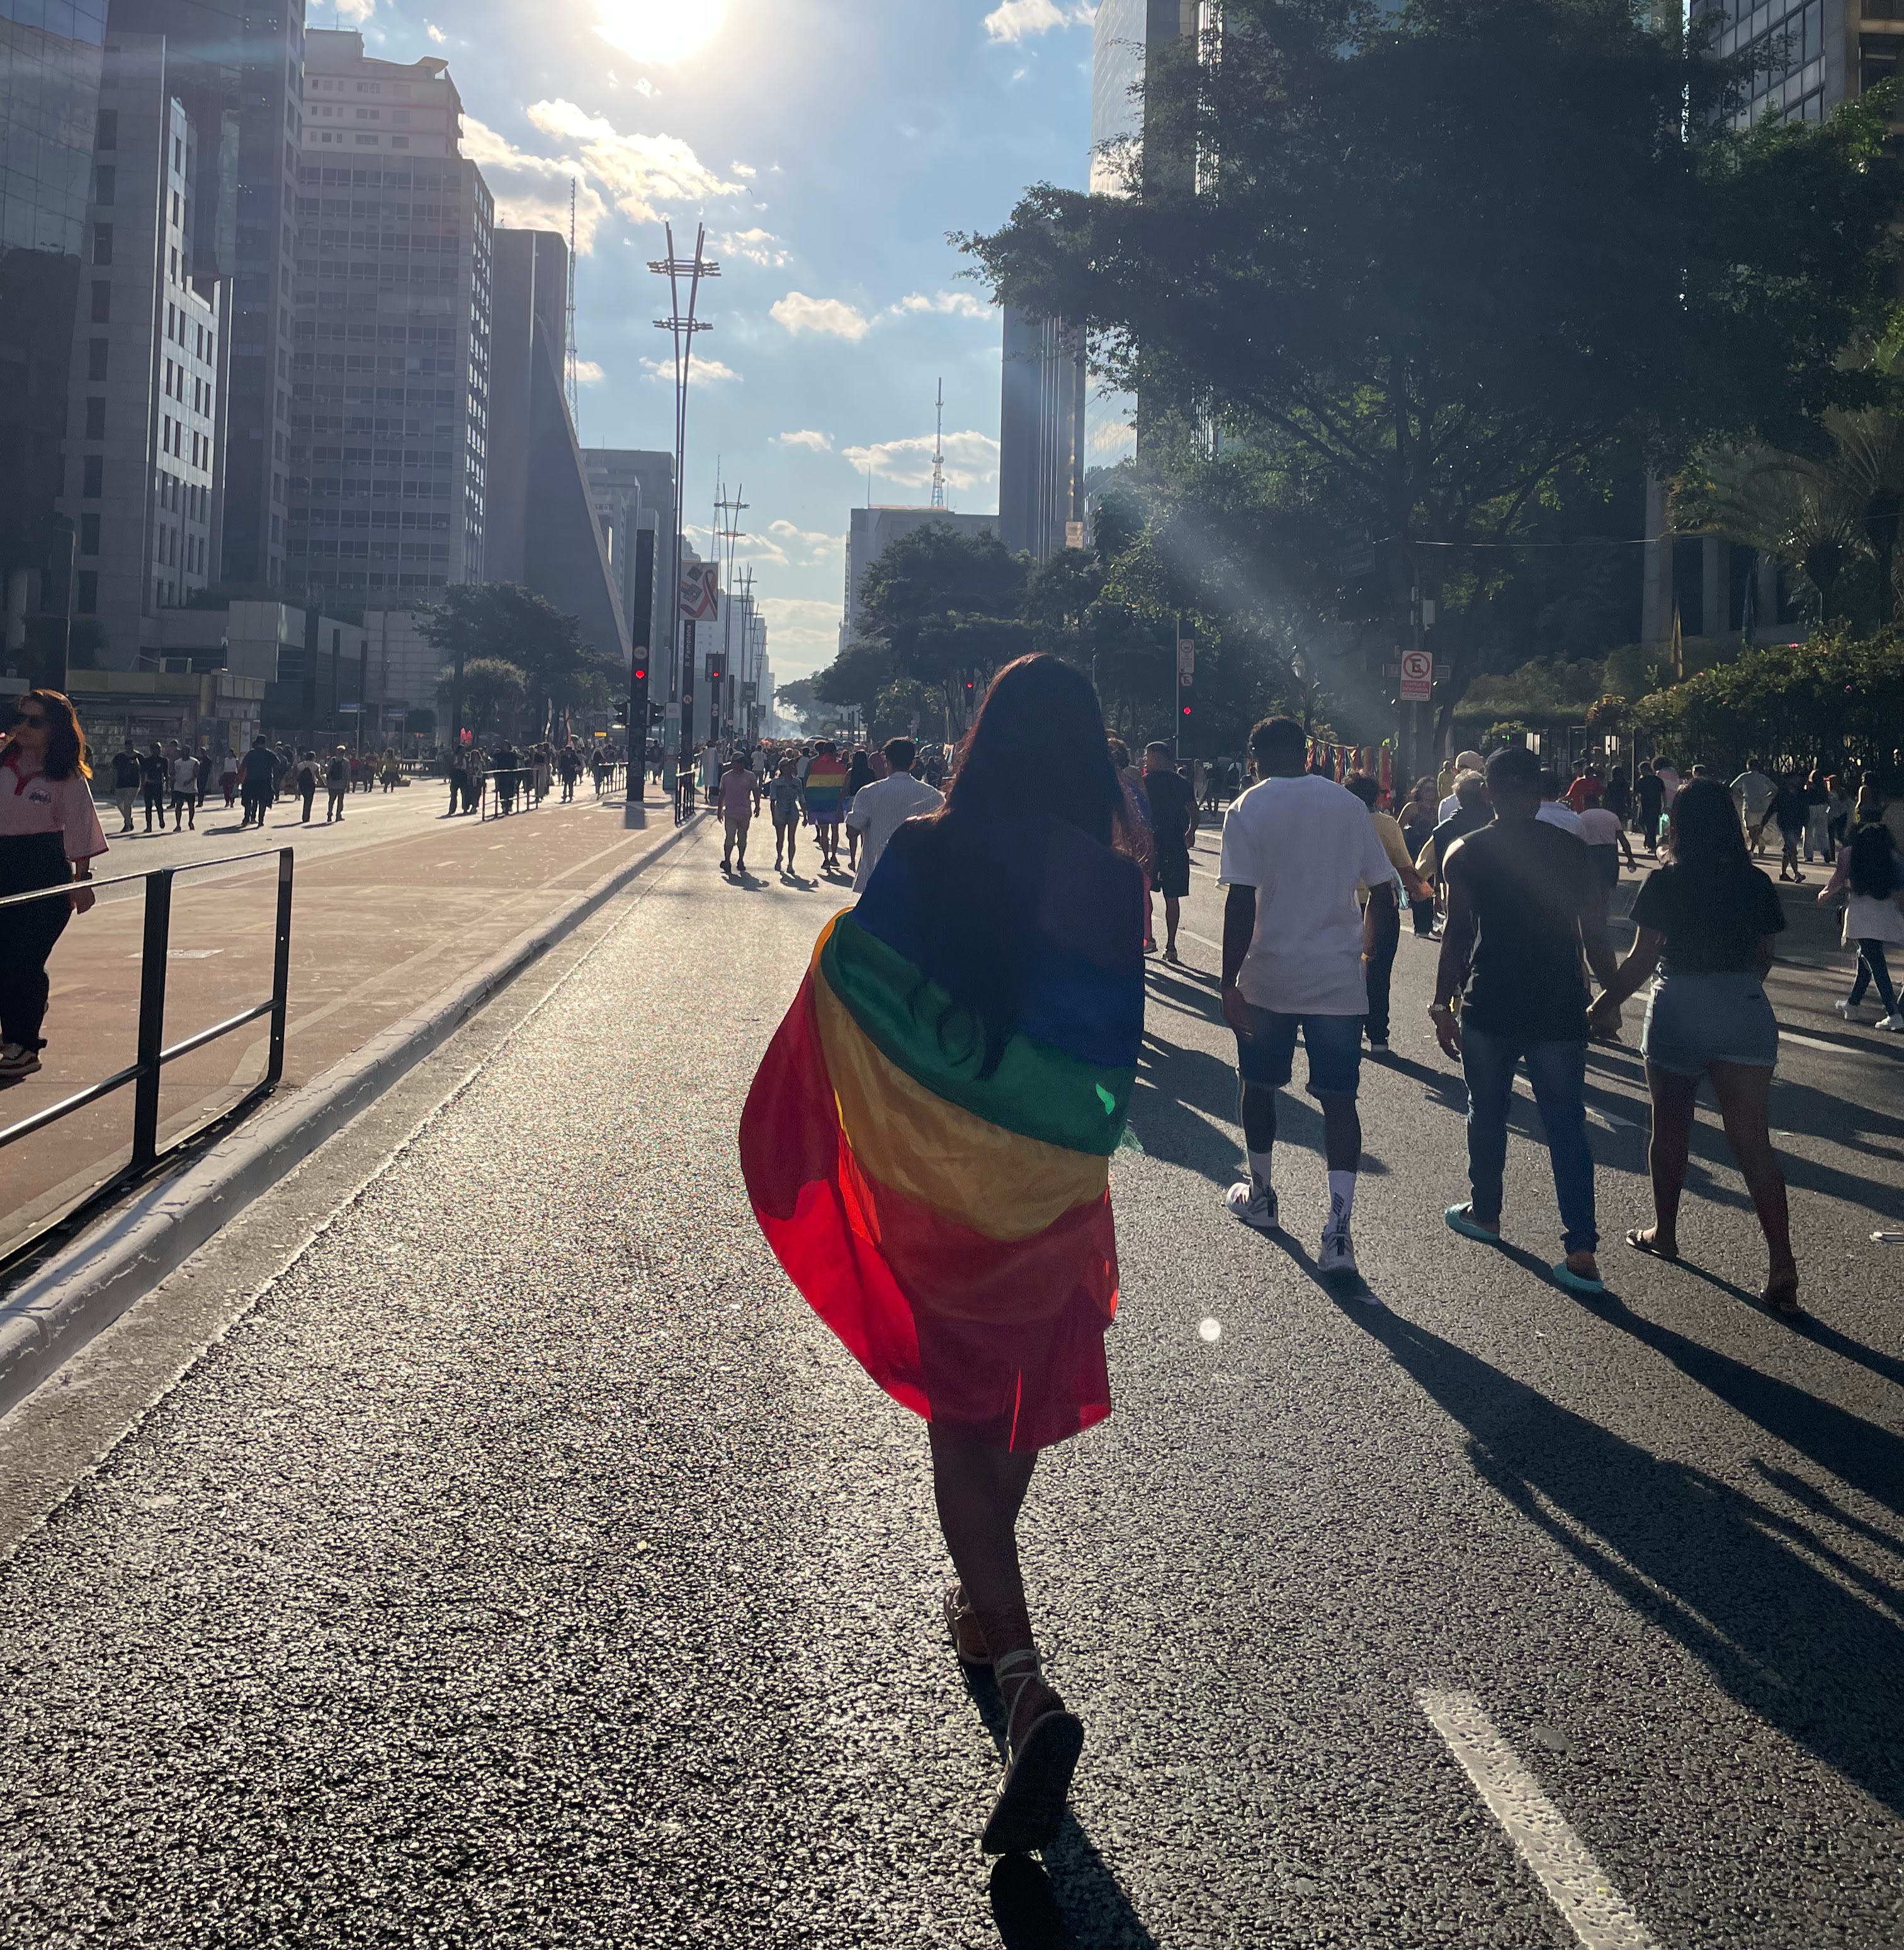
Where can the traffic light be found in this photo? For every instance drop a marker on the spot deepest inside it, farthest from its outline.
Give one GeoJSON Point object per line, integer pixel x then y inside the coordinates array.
{"type": "Point", "coordinates": [1185, 698]}
{"type": "Point", "coordinates": [640, 711]}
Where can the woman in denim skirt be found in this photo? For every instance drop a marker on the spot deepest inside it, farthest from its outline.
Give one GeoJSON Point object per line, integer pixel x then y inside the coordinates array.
{"type": "Point", "coordinates": [1707, 921]}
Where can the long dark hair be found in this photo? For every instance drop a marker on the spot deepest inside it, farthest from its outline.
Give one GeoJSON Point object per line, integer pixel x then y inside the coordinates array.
{"type": "Point", "coordinates": [1035, 758]}
{"type": "Point", "coordinates": [1873, 872]}
{"type": "Point", "coordinates": [66, 742]}
{"type": "Point", "coordinates": [1703, 830]}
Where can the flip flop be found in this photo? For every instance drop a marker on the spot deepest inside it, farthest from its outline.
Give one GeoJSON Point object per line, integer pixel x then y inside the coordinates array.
{"type": "Point", "coordinates": [1459, 1221]}
{"type": "Point", "coordinates": [1565, 1275]}
{"type": "Point", "coordinates": [1646, 1246]}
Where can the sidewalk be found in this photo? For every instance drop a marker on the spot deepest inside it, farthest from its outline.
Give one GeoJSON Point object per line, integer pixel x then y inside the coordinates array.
{"type": "Point", "coordinates": [377, 930]}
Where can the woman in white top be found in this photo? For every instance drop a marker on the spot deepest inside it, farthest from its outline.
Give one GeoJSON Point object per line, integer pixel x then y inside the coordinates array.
{"type": "Point", "coordinates": [49, 835]}
{"type": "Point", "coordinates": [1870, 879]}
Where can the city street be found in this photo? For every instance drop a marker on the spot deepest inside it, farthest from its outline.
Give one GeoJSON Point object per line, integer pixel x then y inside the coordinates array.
{"type": "Point", "coordinates": [528, 1565]}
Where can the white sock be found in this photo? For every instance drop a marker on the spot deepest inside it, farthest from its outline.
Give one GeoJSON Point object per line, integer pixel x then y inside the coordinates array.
{"type": "Point", "coordinates": [1341, 1197]}
{"type": "Point", "coordinates": [1259, 1168]}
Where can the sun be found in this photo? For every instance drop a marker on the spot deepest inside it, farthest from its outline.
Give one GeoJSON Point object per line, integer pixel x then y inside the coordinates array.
{"type": "Point", "coordinates": [663, 31]}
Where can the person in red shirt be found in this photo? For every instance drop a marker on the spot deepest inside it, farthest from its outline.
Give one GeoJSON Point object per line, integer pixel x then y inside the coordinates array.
{"type": "Point", "coordinates": [49, 834]}
{"type": "Point", "coordinates": [1587, 789]}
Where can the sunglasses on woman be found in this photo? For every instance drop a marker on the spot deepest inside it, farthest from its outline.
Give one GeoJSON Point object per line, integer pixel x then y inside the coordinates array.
{"type": "Point", "coordinates": [31, 719]}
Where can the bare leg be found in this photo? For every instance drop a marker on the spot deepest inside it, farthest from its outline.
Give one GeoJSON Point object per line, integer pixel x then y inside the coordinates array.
{"type": "Point", "coordinates": [1743, 1089]}
{"type": "Point", "coordinates": [1673, 1099]}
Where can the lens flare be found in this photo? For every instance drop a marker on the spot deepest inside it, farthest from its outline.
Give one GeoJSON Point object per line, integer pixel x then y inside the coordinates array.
{"type": "Point", "coordinates": [662, 31]}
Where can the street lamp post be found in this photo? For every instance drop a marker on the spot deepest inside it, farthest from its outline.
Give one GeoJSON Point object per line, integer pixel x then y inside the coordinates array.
{"type": "Point", "coordinates": [682, 324]}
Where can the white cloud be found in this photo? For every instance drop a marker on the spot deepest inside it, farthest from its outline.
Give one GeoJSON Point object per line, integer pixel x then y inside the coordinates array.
{"type": "Point", "coordinates": [799, 313]}
{"type": "Point", "coordinates": [971, 459]}
{"type": "Point", "coordinates": [802, 633]}
{"type": "Point", "coordinates": [1019, 19]}
{"type": "Point", "coordinates": [356, 11]}
{"type": "Point", "coordinates": [703, 367]}
{"type": "Point", "coordinates": [957, 304]}
{"type": "Point", "coordinates": [743, 171]}
{"type": "Point", "coordinates": [820, 443]}
{"type": "Point", "coordinates": [531, 192]}
{"type": "Point", "coordinates": [436, 34]}
{"type": "Point", "coordinates": [642, 174]}
{"type": "Point", "coordinates": [588, 372]}
{"type": "Point", "coordinates": [754, 246]}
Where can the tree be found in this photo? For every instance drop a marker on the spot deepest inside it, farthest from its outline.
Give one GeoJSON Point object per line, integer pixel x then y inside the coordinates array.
{"type": "Point", "coordinates": [493, 691]}
{"type": "Point", "coordinates": [503, 620]}
{"type": "Point", "coordinates": [1438, 264]}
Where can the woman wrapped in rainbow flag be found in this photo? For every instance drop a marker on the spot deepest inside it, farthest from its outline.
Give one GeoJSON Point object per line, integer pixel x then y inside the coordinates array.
{"type": "Point", "coordinates": [927, 1148]}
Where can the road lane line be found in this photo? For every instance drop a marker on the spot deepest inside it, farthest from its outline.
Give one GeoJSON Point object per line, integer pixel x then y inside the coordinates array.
{"type": "Point", "coordinates": [1578, 1888]}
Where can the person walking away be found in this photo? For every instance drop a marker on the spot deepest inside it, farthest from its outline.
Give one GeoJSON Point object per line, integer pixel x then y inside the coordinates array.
{"type": "Point", "coordinates": [305, 780]}
{"type": "Point", "coordinates": [336, 782]}
{"type": "Point", "coordinates": [1295, 846]}
{"type": "Point", "coordinates": [1606, 838]}
{"type": "Point", "coordinates": [569, 766]}
{"type": "Point", "coordinates": [825, 787]}
{"type": "Point", "coordinates": [1465, 763]}
{"type": "Point", "coordinates": [1619, 798]}
{"type": "Point", "coordinates": [1587, 789]}
{"type": "Point", "coordinates": [1554, 810]}
{"type": "Point", "coordinates": [710, 771]}
{"type": "Point", "coordinates": [1837, 815]}
{"type": "Point", "coordinates": [1790, 812]}
{"type": "Point", "coordinates": [259, 769]}
{"type": "Point", "coordinates": [784, 801]}
{"type": "Point", "coordinates": [859, 776]}
{"type": "Point", "coordinates": [49, 835]}
{"type": "Point", "coordinates": [1651, 795]}
{"type": "Point", "coordinates": [927, 1147]}
{"type": "Point", "coordinates": [1753, 793]}
{"type": "Point", "coordinates": [505, 764]}
{"type": "Point", "coordinates": [1471, 812]}
{"type": "Point", "coordinates": [1708, 921]}
{"type": "Point", "coordinates": [736, 797]}
{"type": "Point", "coordinates": [1416, 821]}
{"type": "Point", "coordinates": [1524, 902]}
{"type": "Point", "coordinates": [154, 780]}
{"type": "Point", "coordinates": [125, 783]}
{"type": "Point", "coordinates": [882, 806]}
{"type": "Point", "coordinates": [1869, 879]}
{"type": "Point", "coordinates": [184, 788]}
{"type": "Point", "coordinates": [228, 776]}
{"type": "Point", "coordinates": [1173, 828]}
{"type": "Point", "coordinates": [1381, 921]}
{"type": "Point", "coordinates": [1817, 817]}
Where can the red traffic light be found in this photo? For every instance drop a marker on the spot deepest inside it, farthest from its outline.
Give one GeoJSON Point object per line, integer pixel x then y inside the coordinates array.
{"type": "Point", "coordinates": [641, 675]}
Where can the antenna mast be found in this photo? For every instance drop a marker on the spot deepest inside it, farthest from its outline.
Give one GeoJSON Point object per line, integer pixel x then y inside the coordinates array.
{"type": "Point", "coordinates": [571, 364]}
{"type": "Point", "coordinates": [939, 453]}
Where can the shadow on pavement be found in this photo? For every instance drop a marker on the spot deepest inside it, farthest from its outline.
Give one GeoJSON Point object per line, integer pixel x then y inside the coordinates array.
{"type": "Point", "coordinates": [1702, 1560]}
{"type": "Point", "coordinates": [1073, 1902]}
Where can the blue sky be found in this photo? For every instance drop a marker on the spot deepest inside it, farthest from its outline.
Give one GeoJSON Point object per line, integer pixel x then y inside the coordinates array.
{"type": "Point", "coordinates": [829, 145]}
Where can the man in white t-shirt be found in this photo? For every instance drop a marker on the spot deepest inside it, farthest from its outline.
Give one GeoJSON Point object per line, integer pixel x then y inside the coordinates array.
{"type": "Point", "coordinates": [1554, 810]}
{"type": "Point", "coordinates": [1295, 848]}
{"type": "Point", "coordinates": [1752, 792]}
{"type": "Point", "coordinates": [1464, 763]}
{"type": "Point", "coordinates": [877, 812]}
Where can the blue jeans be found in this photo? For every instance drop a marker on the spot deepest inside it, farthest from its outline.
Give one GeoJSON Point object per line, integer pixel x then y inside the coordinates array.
{"type": "Point", "coordinates": [1558, 1072]}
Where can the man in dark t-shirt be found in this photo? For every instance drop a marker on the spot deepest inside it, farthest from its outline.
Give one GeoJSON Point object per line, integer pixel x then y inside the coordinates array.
{"type": "Point", "coordinates": [1524, 903]}
{"type": "Point", "coordinates": [1173, 818]}
{"type": "Point", "coordinates": [1652, 794]}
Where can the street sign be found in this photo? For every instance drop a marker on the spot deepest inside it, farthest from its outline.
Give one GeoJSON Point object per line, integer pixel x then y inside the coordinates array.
{"type": "Point", "coordinates": [1073, 535]}
{"type": "Point", "coordinates": [1186, 660]}
{"type": "Point", "coordinates": [1417, 677]}
{"type": "Point", "coordinates": [700, 592]}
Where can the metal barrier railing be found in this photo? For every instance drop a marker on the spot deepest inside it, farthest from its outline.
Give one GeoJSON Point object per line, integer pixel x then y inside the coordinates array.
{"type": "Point", "coordinates": [505, 787]}
{"type": "Point", "coordinates": [153, 1052]}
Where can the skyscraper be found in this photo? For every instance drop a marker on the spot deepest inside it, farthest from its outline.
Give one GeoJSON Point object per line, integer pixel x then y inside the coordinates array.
{"type": "Point", "coordinates": [633, 490]}
{"type": "Point", "coordinates": [241, 63]}
{"type": "Point", "coordinates": [1041, 435]}
{"type": "Point", "coordinates": [543, 530]}
{"type": "Point", "coordinates": [390, 383]}
{"type": "Point", "coordinates": [149, 354]}
{"type": "Point", "coordinates": [49, 63]}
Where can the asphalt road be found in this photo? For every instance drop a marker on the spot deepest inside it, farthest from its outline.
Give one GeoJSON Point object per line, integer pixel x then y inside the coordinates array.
{"type": "Point", "coordinates": [530, 1567]}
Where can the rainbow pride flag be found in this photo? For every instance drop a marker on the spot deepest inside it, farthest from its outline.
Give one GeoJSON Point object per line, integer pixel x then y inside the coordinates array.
{"type": "Point", "coordinates": [826, 787]}
{"type": "Point", "coordinates": [954, 1230]}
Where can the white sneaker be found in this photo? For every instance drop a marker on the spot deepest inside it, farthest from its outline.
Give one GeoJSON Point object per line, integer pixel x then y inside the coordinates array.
{"type": "Point", "coordinates": [1337, 1254]}
{"type": "Point", "coordinates": [1847, 1010]}
{"type": "Point", "coordinates": [1894, 1022]}
{"type": "Point", "coordinates": [1254, 1204]}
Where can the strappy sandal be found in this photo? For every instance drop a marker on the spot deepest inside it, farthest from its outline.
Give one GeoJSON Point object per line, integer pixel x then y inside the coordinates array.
{"type": "Point", "coordinates": [963, 1628]}
{"type": "Point", "coordinates": [1031, 1802]}
{"type": "Point", "coordinates": [1638, 1241]}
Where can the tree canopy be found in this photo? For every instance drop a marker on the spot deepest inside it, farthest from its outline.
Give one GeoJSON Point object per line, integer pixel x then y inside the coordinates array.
{"type": "Point", "coordinates": [503, 622]}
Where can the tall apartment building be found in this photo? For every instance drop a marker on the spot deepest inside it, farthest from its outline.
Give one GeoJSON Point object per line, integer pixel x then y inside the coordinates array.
{"type": "Point", "coordinates": [1044, 395]}
{"type": "Point", "coordinates": [241, 63]}
{"type": "Point", "coordinates": [49, 97]}
{"type": "Point", "coordinates": [149, 355]}
{"type": "Point", "coordinates": [391, 385]}
{"type": "Point", "coordinates": [634, 492]}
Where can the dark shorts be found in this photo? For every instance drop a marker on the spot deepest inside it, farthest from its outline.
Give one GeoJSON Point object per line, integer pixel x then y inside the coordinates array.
{"type": "Point", "coordinates": [1267, 1057]}
{"type": "Point", "coordinates": [1606, 862]}
{"type": "Point", "coordinates": [1173, 875]}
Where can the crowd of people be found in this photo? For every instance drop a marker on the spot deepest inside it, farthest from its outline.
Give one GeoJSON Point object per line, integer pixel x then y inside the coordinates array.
{"type": "Point", "coordinates": [926, 1142]}
{"type": "Point", "coordinates": [171, 776]}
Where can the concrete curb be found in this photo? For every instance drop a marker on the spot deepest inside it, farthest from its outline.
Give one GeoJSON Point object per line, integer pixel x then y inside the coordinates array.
{"type": "Point", "coordinates": [51, 1315]}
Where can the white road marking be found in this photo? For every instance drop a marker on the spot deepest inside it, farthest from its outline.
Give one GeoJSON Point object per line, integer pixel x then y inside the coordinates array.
{"type": "Point", "coordinates": [1202, 940]}
{"type": "Point", "coordinates": [1814, 1042]}
{"type": "Point", "coordinates": [1594, 1910]}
